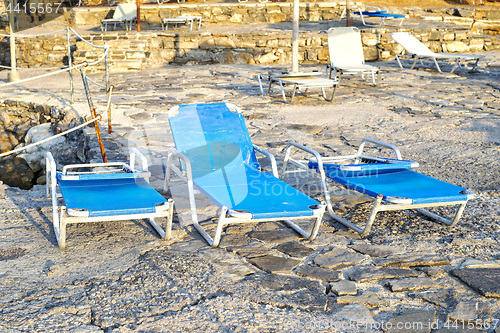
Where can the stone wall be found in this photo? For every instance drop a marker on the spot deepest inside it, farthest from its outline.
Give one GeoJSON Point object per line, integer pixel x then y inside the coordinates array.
{"type": "Point", "coordinates": [133, 51]}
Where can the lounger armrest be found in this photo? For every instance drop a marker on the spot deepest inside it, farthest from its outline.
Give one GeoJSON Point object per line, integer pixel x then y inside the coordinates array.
{"type": "Point", "coordinates": [313, 152]}
{"type": "Point", "coordinates": [135, 152]}
{"type": "Point", "coordinates": [172, 152]}
{"type": "Point", "coordinates": [271, 157]}
{"type": "Point", "coordinates": [378, 143]}
{"type": "Point", "coordinates": [373, 8]}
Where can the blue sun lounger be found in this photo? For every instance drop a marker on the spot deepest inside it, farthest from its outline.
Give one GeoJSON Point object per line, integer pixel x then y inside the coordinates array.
{"type": "Point", "coordinates": [376, 13]}
{"type": "Point", "coordinates": [391, 182]}
{"type": "Point", "coordinates": [104, 192]}
{"type": "Point", "coordinates": [218, 158]}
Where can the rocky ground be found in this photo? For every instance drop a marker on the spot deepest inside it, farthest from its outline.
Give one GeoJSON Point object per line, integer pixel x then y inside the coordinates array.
{"type": "Point", "coordinates": [408, 275]}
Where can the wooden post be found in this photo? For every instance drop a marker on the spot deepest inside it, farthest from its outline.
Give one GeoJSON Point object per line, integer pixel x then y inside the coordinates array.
{"type": "Point", "coordinates": [138, 17]}
{"type": "Point", "coordinates": [347, 14]}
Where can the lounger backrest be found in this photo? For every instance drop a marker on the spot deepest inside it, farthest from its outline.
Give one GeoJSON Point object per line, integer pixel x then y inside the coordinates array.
{"type": "Point", "coordinates": [212, 137]}
{"type": "Point", "coordinates": [411, 44]}
{"type": "Point", "coordinates": [125, 11]}
{"type": "Point", "coordinates": [345, 48]}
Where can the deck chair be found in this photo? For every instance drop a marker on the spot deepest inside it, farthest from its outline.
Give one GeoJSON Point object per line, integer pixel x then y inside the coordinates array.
{"type": "Point", "coordinates": [105, 192]}
{"type": "Point", "coordinates": [346, 54]}
{"type": "Point", "coordinates": [390, 182]}
{"type": "Point", "coordinates": [125, 14]}
{"type": "Point", "coordinates": [218, 158]}
{"type": "Point", "coordinates": [374, 12]}
{"type": "Point", "coordinates": [300, 81]}
{"type": "Point", "coordinates": [417, 51]}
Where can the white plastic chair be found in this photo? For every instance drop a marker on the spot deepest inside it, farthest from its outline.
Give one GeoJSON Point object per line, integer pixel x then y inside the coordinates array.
{"type": "Point", "coordinates": [346, 54]}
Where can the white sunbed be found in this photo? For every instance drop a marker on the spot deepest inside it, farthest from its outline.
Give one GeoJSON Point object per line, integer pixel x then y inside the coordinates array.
{"type": "Point", "coordinates": [125, 13]}
{"type": "Point", "coordinates": [417, 51]}
{"type": "Point", "coordinates": [301, 81]}
{"type": "Point", "coordinates": [181, 19]}
{"type": "Point", "coordinates": [346, 54]}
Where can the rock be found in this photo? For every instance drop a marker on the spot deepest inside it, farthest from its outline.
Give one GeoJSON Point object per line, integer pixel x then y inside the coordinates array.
{"type": "Point", "coordinates": [36, 130]}
{"type": "Point", "coordinates": [7, 142]}
{"type": "Point", "coordinates": [228, 240]}
{"type": "Point", "coordinates": [412, 284]}
{"type": "Point", "coordinates": [484, 280]}
{"type": "Point", "coordinates": [11, 253]}
{"type": "Point", "coordinates": [358, 313]}
{"type": "Point", "coordinates": [474, 263]}
{"type": "Point", "coordinates": [294, 249]}
{"type": "Point", "coordinates": [415, 322]}
{"type": "Point", "coordinates": [318, 273]}
{"type": "Point", "coordinates": [35, 160]}
{"type": "Point", "coordinates": [274, 236]}
{"type": "Point", "coordinates": [15, 172]}
{"type": "Point", "coordinates": [441, 298]}
{"type": "Point", "coordinates": [471, 312]}
{"type": "Point", "coordinates": [338, 258]}
{"type": "Point", "coordinates": [414, 259]}
{"type": "Point", "coordinates": [369, 298]}
{"type": "Point", "coordinates": [374, 273]}
{"type": "Point", "coordinates": [273, 264]}
{"type": "Point", "coordinates": [375, 250]}
{"type": "Point", "coordinates": [252, 251]}
{"type": "Point", "coordinates": [432, 272]}
{"type": "Point", "coordinates": [343, 287]}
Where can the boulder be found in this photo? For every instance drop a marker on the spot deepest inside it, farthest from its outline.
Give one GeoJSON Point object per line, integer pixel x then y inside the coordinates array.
{"type": "Point", "coordinates": [15, 172]}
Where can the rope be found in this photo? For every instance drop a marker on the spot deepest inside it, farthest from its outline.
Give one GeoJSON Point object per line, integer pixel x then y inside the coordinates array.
{"type": "Point", "coordinates": [84, 40]}
{"type": "Point", "coordinates": [98, 84]}
{"type": "Point", "coordinates": [60, 71]}
{"type": "Point", "coordinates": [50, 138]}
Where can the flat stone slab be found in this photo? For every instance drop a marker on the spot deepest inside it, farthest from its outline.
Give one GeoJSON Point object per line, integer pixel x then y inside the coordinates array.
{"type": "Point", "coordinates": [410, 260]}
{"type": "Point", "coordinates": [358, 313]}
{"type": "Point", "coordinates": [414, 322]}
{"type": "Point", "coordinates": [294, 249]}
{"type": "Point", "coordinates": [431, 271]}
{"type": "Point", "coordinates": [274, 236]}
{"type": "Point", "coordinates": [319, 273]}
{"type": "Point", "coordinates": [343, 287]}
{"type": "Point", "coordinates": [274, 264]}
{"type": "Point", "coordinates": [441, 298]}
{"type": "Point", "coordinates": [471, 312]}
{"type": "Point", "coordinates": [368, 298]}
{"type": "Point", "coordinates": [284, 291]}
{"type": "Point", "coordinates": [375, 273]}
{"type": "Point", "coordinates": [229, 240]}
{"type": "Point", "coordinates": [338, 258]}
{"type": "Point", "coordinates": [376, 250]}
{"type": "Point", "coordinates": [412, 284]}
{"type": "Point", "coordinates": [484, 280]}
{"type": "Point", "coordinates": [251, 251]}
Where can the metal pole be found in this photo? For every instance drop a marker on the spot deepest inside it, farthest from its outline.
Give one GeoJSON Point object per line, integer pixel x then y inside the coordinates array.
{"type": "Point", "coordinates": [70, 64]}
{"type": "Point", "coordinates": [138, 18]}
{"type": "Point", "coordinates": [295, 37]}
{"type": "Point", "coordinates": [347, 14]}
{"type": "Point", "coordinates": [13, 75]}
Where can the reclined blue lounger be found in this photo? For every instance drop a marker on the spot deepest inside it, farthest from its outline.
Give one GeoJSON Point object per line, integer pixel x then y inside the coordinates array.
{"type": "Point", "coordinates": [389, 181]}
{"type": "Point", "coordinates": [374, 12]}
{"type": "Point", "coordinates": [215, 150]}
{"type": "Point", "coordinates": [105, 192]}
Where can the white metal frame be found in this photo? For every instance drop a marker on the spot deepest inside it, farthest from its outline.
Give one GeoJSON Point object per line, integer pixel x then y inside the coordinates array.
{"type": "Point", "coordinates": [61, 216]}
{"type": "Point", "coordinates": [227, 216]}
{"type": "Point", "coordinates": [125, 13]}
{"type": "Point", "coordinates": [392, 203]}
{"type": "Point", "coordinates": [299, 81]}
{"type": "Point", "coordinates": [180, 19]}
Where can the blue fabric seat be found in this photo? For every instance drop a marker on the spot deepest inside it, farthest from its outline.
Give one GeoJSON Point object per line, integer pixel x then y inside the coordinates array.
{"type": "Point", "coordinates": [389, 181]}
{"type": "Point", "coordinates": [214, 141]}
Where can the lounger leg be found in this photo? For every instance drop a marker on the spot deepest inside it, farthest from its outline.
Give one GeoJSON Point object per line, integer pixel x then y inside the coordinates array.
{"type": "Point", "coordinates": [333, 93]}
{"type": "Point", "coordinates": [167, 233]}
{"type": "Point", "coordinates": [399, 62]}
{"type": "Point", "coordinates": [220, 225]}
{"type": "Point", "coordinates": [439, 68]}
{"type": "Point", "coordinates": [455, 65]}
{"type": "Point", "coordinates": [314, 232]}
{"type": "Point", "coordinates": [441, 219]}
{"type": "Point", "coordinates": [371, 218]}
{"type": "Point", "coordinates": [61, 232]}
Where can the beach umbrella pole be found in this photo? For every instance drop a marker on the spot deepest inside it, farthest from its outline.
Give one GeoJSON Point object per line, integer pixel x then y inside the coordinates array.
{"type": "Point", "coordinates": [295, 36]}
